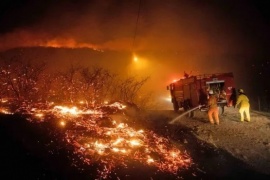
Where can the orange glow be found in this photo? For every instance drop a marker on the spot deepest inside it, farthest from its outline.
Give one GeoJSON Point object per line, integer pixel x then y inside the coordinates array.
{"type": "Point", "coordinates": [118, 141]}
{"type": "Point", "coordinates": [150, 160]}
{"type": "Point", "coordinates": [39, 115]}
{"type": "Point", "coordinates": [4, 100]}
{"type": "Point", "coordinates": [139, 63]}
{"type": "Point", "coordinates": [121, 125]}
{"type": "Point", "coordinates": [66, 110]}
{"type": "Point", "coordinates": [81, 102]}
{"type": "Point", "coordinates": [73, 111]}
{"type": "Point", "coordinates": [5, 111]}
{"type": "Point", "coordinates": [62, 123]}
{"type": "Point", "coordinates": [134, 142]}
{"type": "Point", "coordinates": [116, 144]}
{"type": "Point", "coordinates": [135, 59]}
{"type": "Point", "coordinates": [68, 43]}
{"type": "Point", "coordinates": [168, 99]}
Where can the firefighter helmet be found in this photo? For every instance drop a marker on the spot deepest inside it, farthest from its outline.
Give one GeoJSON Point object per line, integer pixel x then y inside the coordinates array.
{"type": "Point", "coordinates": [240, 90]}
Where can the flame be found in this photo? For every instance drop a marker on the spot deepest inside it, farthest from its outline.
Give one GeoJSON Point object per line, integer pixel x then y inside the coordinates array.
{"type": "Point", "coordinates": [81, 102]}
{"type": "Point", "coordinates": [66, 110]}
{"type": "Point", "coordinates": [150, 160]}
{"type": "Point", "coordinates": [5, 111]}
{"type": "Point", "coordinates": [73, 111]}
{"type": "Point", "coordinates": [24, 38]}
{"type": "Point", "coordinates": [39, 115]}
{"type": "Point", "coordinates": [4, 100]}
{"type": "Point", "coordinates": [62, 123]}
{"type": "Point", "coordinates": [114, 144]}
{"type": "Point", "coordinates": [68, 43]}
{"type": "Point", "coordinates": [135, 142]}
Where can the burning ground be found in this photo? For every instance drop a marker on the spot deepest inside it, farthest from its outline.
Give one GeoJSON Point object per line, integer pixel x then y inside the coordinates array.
{"type": "Point", "coordinates": [77, 111]}
{"type": "Point", "coordinates": [59, 142]}
{"type": "Point", "coordinates": [93, 142]}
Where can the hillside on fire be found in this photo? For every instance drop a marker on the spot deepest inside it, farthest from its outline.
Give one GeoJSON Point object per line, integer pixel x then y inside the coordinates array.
{"type": "Point", "coordinates": [88, 123]}
{"type": "Point", "coordinates": [121, 89]}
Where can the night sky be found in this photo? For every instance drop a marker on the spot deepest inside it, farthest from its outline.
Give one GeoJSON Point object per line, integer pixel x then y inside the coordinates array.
{"type": "Point", "coordinates": [168, 36]}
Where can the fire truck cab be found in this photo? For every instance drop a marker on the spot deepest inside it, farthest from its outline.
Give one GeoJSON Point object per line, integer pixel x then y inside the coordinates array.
{"type": "Point", "coordinates": [192, 91]}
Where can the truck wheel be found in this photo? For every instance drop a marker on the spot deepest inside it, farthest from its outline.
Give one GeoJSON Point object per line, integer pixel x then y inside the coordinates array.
{"type": "Point", "coordinates": [175, 106]}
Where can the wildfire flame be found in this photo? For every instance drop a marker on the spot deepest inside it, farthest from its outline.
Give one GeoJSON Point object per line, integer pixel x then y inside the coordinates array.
{"type": "Point", "coordinates": [116, 144]}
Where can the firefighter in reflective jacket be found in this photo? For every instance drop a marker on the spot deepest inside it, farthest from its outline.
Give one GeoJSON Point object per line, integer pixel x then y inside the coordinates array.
{"type": "Point", "coordinates": [243, 102]}
{"type": "Point", "coordinates": [213, 108]}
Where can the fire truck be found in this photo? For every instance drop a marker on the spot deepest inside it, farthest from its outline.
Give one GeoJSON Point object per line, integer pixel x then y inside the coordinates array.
{"type": "Point", "coordinates": [192, 91]}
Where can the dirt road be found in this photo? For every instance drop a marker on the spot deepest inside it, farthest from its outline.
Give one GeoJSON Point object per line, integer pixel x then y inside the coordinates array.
{"type": "Point", "coordinates": [247, 141]}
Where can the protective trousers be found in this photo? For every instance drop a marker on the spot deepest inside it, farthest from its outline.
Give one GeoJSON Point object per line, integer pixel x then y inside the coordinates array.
{"type": "Point", "coordinates": [245, 110]}
{"type": "Point", "coordinates": [213, 111]}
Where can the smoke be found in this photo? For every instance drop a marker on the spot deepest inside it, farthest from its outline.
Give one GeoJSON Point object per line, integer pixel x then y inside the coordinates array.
{"type": "Point", "coordinates": [164, 26]}
{"type": "Point", "coordinates": [170, 37]}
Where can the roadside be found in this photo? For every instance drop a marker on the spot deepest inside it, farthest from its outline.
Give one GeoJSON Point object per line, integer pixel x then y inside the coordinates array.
{"type": "Point", "coordinates": [247, 141]}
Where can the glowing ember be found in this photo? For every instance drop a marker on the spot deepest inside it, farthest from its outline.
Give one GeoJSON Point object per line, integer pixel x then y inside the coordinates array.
{"type": "Point", "coordinates": [4, 100]}
{"type": "Point", "coordinates": [5, 111]}
{"type": "Point", "coordinates": [81, 102]}
{"type": "Point", "coordinates": [113, 144]}
{"type": "Point", "coordinates": [73, 111]}
{"type": "Point", "coordinates": [122, 144]}
{"type": "Point", "coordinates": [39, 115]}
{"type": "Point", "coordinates": [62, 123]}
{"type": "Point", "coordinates": [66, 110]}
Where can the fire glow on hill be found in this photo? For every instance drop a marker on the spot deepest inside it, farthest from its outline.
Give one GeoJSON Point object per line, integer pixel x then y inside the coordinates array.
{"type": "Point", "coordinates": [99, 139]}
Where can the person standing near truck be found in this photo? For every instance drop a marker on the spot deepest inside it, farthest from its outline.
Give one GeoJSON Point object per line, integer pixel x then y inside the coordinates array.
{"type": "Point", "coordinates": [243, 102]}
{"type": "Point", "coordinates": [213, 108]}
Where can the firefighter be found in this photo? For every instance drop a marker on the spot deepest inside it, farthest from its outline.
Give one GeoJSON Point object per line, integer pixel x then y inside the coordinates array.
{"type": "Point", "coordinates": [223, 97]}
{"type": "Point", "coordinates": [213, 108]}
{"type": "Point", "coordinates": [243, 103]}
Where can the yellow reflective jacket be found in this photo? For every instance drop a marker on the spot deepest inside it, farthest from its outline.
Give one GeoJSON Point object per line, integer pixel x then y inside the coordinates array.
{"type": "Point", "coordinates": [242, 100]}
{"type": "Point", "coordinates": [212, 101]}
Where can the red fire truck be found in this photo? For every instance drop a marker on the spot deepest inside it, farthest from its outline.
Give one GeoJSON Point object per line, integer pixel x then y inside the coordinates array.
{"type": "Point", "coordinates": [192, 91]}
